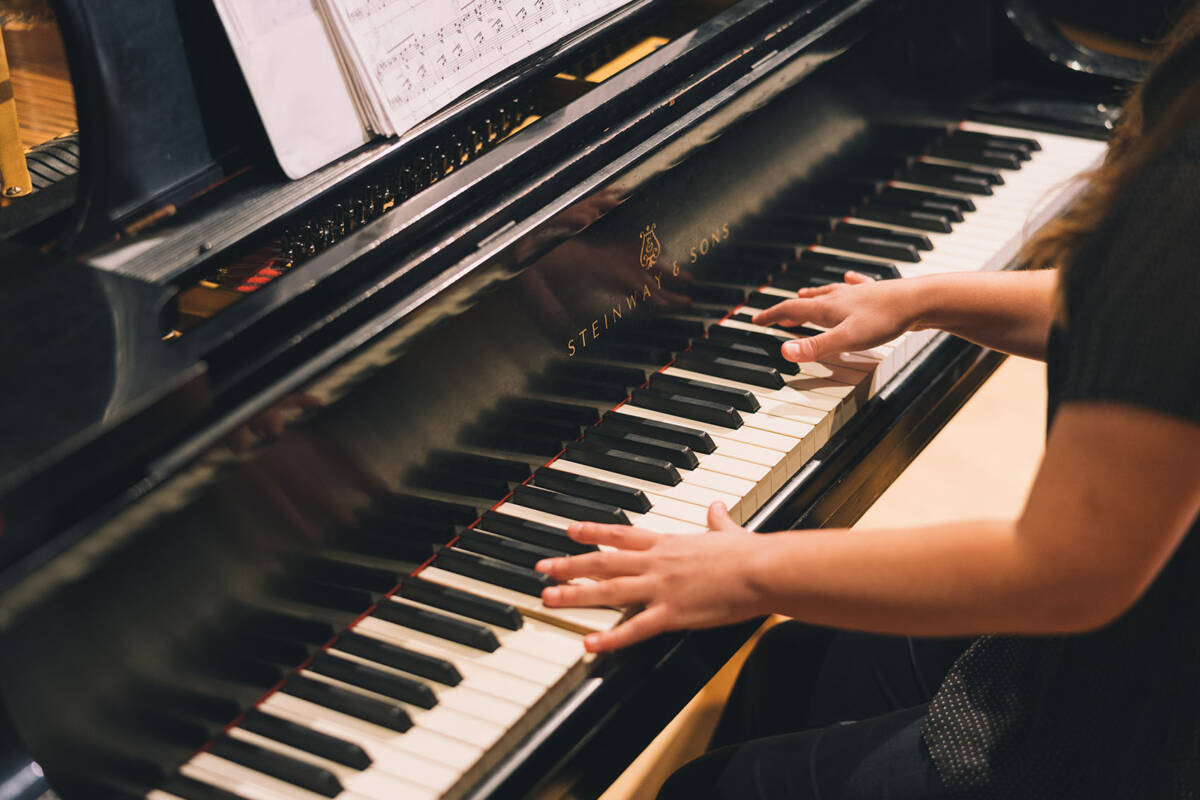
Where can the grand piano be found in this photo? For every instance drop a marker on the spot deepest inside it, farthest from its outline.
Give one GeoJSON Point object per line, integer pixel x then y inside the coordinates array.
{"type": "Point", "coordinates": [278, 455]}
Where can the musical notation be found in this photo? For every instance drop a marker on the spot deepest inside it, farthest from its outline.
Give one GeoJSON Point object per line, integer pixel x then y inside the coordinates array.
{"type": "Point", "coordinates": [413, 57]}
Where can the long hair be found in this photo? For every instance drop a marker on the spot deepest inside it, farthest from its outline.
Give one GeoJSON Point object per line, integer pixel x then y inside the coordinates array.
{"type": "Point", "coordinates": [1155, 113]}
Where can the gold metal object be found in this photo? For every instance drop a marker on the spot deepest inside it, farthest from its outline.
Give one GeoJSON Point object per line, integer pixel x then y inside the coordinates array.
{"type": "Point", "coordinates": [14, 175]}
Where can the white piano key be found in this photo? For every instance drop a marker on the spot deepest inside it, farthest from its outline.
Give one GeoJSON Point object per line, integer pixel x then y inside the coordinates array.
{"type": "Point", "coordinates": [438, 719]}
{"type": "Point", "coordinates": [685, 492]}
{"type": "Point", "coordinates": [248, 783]}
{"type": "Point", "coordinates": [376, 784]}
{"type": "Point", "coordinates": [583, 620]}
{"type": "Point", "coordinates": [507, 660]}
{"type": "Point", "coordinates": [420, 743]}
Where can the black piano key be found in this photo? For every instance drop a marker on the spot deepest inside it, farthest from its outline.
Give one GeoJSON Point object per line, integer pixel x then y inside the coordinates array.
{"type": "Point", "coordinates": [534, 409]}
{"type": "Point", "coordinates": [680, 326]}
{"type": "Point", "coordinates": [748, 267]}
{"type": "Point", "coordinates": [307, 776]}
{"type": "Point", "coordinates": [462, 603]}
{"type": "Point", "coordinates": [435, 624]}
{"type": "Point", "coordinates": [846, 263]}
{"type": "Point", "coordinates": [740, 399]}
{"type": "Point", "coordinates": [990, 175]}
{"type": "Point", "coordinates": [975, 153]}
{"type": "Point", "coordinates": [306, 739]}
{"type": "Point", "coordinates": [682, 405]}
{"type": "Point", "coordinates": [624, 497]}
{"type": "Point", "coordinates": [493, 571]}
{"type": "Point", "coordinates": [948, 178]}
{"type": "Point", "coordinates": [1015, 143]}
{"type": "Point", "coordinates": [191, 789]}
{"type": "Point", "coordinates": [878, 245]}
{"type": "Point", "coordinates": [698, 440]}
{"type": "Point", "coordinates": [952, 206]}
{"type": "Point", "coordinates": [397, 687]}
{"type": "Point", "coordinates": [680, 455]}
{"type": "Point", "coordinates": [532, 532]}
{"type": "Point", "coordinates": [401, 658]}
{"type": "Point", "coordinates": [565, 505]}
{"type": "Point", "coordinates": [907, 217]}
{"type": "Point", "coordinates": [767, 355]}
{"type": "Point", "coordinates": [767, 342]}
{"type": "Point", "coordinates": [635, 466]}
{"type": "Point", "coordinates": [350, 703]}
{"type": "Point", "coordinates": [711, 313]}
{"type": "Point", "coordinates": [918, 240]}
{"type": "Point", "coordinates": [513, 551]}
{"type": "Point", "coordinates": [764, 341]}
{"type": "Point", "coordinates": [763, 300]}
{"type": "Point", "coordinates": [731, 369]}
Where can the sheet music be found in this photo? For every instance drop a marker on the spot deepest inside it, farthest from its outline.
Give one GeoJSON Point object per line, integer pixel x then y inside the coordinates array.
{"type": "Point", "coordinates": [413, 57]}
{"type": "Point", "coordinates": [298, 86]}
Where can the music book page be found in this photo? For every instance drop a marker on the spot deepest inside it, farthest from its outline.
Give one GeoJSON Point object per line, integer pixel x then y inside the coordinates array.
{"type": "Point", "coordinates": [416, 56]}
{"type": "Point", "coordinates": [300, 90]}
{"type": "Point", "coordinates": [324, 73]}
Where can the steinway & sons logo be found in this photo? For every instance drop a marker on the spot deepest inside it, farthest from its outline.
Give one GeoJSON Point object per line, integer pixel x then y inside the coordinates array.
{"type": "Point", "coordinates": [648, 257]}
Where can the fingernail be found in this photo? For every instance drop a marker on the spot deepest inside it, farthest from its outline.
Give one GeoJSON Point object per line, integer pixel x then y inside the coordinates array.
{"type": "Point", "coordinates": [719, 506]}
{"type": "Point", "coordinates": [590, 642]}
{"type": "Point", "coordinates": [791, 350]}
{"type": "Point", "coordinates": [545, 565]}
{"type": "Point", "coordinates": [550, 594]}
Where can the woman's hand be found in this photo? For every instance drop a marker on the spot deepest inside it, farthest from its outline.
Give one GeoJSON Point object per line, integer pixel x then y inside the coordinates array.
{"type": "Point", "coordinates": [683, 581]}
{"type": "Point", "coordinates": [860, 314]}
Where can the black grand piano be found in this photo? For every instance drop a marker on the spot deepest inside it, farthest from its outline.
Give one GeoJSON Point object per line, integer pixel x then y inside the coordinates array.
{"type": "Point", "coordinates": [276, 457]}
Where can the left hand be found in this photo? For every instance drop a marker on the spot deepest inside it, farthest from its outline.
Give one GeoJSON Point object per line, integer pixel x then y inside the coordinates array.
{"type": "Point", "coordinates": [683, 581]}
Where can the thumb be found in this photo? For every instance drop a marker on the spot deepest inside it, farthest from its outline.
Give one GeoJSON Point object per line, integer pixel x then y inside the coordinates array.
{"type": "Point", "coordinates": [813, 348]}
{"type": "Point", "coordinates": [853, 277]}
{"type": "Point", "coordinates": [719, 519]}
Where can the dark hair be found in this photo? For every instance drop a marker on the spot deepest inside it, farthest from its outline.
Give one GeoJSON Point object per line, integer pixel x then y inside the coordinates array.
{"type": "Point", "coordinates": [1157, 110]}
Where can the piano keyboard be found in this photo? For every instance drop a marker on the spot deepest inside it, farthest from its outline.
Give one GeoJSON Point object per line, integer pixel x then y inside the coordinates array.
{"type": "Point", "coordinates": [426, 691]}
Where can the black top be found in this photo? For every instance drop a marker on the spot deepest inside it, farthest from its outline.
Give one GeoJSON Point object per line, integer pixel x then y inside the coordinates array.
{"type": "Point", "coordinates": [1113, 713]}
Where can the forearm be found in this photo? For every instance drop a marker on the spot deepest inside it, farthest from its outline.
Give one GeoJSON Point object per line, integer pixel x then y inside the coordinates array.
{"type": "Point", "coordinates": [947, 580]}
{"type": "Point", "coordinates": [1007, 311]}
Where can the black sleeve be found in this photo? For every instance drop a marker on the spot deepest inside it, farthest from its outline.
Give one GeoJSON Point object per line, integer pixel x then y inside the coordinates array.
{"type": "Point", "coordinates": [1133, 298]}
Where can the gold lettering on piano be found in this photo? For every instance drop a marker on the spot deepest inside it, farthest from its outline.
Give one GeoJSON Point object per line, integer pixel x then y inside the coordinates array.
{"type": "Point", "coordinates": [648, 256]}
{"type": "Point", "coordinates": [651, 248]}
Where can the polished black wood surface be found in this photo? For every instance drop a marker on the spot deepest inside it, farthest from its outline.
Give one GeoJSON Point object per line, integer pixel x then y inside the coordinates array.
{"type": "Point", "coordinates": [161, 507]}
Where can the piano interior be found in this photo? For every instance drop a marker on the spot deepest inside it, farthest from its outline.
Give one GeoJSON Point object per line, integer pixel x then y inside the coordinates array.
{"type": "Point", "coordinates": [280, 543]}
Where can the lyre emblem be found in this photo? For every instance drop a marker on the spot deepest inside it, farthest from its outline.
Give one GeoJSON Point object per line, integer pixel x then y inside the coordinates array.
{"type": "Point", "coordinates": [650, 248]}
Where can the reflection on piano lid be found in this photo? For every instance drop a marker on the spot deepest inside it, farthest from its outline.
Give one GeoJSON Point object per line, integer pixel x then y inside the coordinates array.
{"type": "Point", "coordinates": [315, 581]}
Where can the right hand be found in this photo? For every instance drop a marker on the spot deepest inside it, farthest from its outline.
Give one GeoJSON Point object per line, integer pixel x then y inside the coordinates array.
{"type": "Point", "coordinates": [860, 314]}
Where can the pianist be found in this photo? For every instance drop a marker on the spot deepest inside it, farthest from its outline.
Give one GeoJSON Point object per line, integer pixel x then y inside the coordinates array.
{"type": "Point", "coordinates": [1085, 681]}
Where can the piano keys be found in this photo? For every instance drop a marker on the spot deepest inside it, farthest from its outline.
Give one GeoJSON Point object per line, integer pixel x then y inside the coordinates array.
{"type": "Point", "coordinates": [330, 564]}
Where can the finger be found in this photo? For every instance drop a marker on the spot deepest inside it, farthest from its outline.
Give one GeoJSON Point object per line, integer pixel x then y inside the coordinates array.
{"type": "Point", "coordinates": [814, 348]}
{"type": "Point", "coordinates": [789, 312]}
{"type": "Point", "coordinates": [622, 537]}
{"type": "Point", "coordinates": [601, 564]}
{"type": "Point", "coordinates": [623, 591]}
{"type": "Point", "coordinates": [637, 628]}
{"type": "Point", "coordinates": [816, 291]}
{"type": "Point", "coordinates": [853, 277]}
{"type": "Point", "coordinates": [719, 519]}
